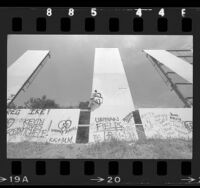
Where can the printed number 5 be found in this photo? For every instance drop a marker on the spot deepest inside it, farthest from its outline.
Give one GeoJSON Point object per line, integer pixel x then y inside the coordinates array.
{"type": "Point", "coordinates": [93, 11]}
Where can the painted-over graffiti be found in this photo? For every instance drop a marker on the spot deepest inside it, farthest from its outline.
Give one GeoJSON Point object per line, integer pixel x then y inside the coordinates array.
{"type": "Point", "coordinates": [42, 125]}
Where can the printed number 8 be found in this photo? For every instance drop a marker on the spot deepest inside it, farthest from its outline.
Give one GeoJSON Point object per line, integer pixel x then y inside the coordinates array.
{"type": "Point", "coordinates": [49, 12]}
{"type": "Point", "coordinates": [71, 12]}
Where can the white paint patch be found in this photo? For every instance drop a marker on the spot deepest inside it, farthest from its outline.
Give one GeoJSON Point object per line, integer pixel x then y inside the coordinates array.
{"type": "Point", "coordinates": [178, 65]}
{"type": "Point", "coordinates": [57, 126]}
{"type": "Point", "coordinates": [20, 71]}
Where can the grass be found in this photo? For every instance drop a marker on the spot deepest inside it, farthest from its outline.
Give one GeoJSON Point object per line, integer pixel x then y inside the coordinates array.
{"type": "Point", "coordinates": [115, 149]}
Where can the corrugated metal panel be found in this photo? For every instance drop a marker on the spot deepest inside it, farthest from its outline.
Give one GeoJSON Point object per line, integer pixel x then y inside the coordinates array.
{"type": "Point", "coordinates": [178, 65]}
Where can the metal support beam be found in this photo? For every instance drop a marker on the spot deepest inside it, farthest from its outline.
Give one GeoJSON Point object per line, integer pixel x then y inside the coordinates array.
{"type": "Point", "coordinates": [170, 72]}
{"type": "Point", "coordinates": [174, 87]}
{"type": "Point", "coordinates": [188, 98]}
{"type": "Point", "coordinates": [30, 79]}
{"type": "Point", "coordinates": [186, 50]}
{"type": "Point", "coordinates": [184, 56]}
{"type": "Point", "coordinates": [183, 83]}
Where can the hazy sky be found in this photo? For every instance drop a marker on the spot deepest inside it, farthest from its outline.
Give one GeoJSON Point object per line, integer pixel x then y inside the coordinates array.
{"type": "Point", "coordinates": [67, 76]}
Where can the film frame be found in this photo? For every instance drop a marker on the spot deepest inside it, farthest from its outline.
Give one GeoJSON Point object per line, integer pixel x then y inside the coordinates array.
{"type": "Point", "coordinates": [114, 172]}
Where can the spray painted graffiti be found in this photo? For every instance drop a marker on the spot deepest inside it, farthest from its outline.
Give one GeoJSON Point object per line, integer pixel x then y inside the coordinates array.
{"type": "Point", "coordinates": [68, 140]}
{"type": "Point", "coordinates": [42, 125]}
{"type": "Point", "coordinates": [10, 122]}
{"type": "Point", "coordinates": [64, 125]}
{"type": "Point", "coordinates": [161, 123]}
{"type": "Point", "coordinates": [29, 128]}
{"type": "Point", "coordinates": [106, 128]}
{"type": "Point", "coordinates": [188, 126]}
{"type": "Point", "coordinates": [167, 123]}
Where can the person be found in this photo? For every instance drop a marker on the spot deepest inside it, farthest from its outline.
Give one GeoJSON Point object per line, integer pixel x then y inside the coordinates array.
{"type": "Point", "coordinates": [95, 99]}
{"type": "Point", "coordinates": [93, 95]}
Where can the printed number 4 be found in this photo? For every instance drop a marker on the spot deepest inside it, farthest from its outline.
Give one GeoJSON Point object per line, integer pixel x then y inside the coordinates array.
{"type": "Point", "coordinates": [139, 12]}
{"type": "Point", "coordinates": [162, 12]}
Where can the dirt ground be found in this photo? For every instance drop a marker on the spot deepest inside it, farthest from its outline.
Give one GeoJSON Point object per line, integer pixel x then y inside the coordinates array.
{"type": "Point", "coordinates": [146, 149]}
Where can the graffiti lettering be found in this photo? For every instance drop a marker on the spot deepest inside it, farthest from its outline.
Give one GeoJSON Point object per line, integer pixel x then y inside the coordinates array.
{"type": "Point", "coordinates": [31, 131]}
{"type": "Point", "coordinates": [57, 140]}
{"type": "Point", "coordinates": [31, 127]}
{"type": "Point", "coordinates": [166, 125]}
{"type": "Point", "coordinates": [174, 117]}
{"type": "Point", "coordinates": [100, 119]}
{"type": "Point", "coordinates": [13, 111]}
{"type": "Point", "coordinates": [14, 132]}
{"type": "Point", "coordinates": [38, 111]}
{"type": "Point", "coordinates": [107, 128]}
{"type": "Point", "coordinates": [10, 122]}
{"type": "Point", "coordinates": [188, 125]}
{"type": "Point", "coordinates": [36, 121]}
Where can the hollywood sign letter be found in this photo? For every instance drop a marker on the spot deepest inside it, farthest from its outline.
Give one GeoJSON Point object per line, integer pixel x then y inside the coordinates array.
{"type": "Point", "coordinates": [57, 126]}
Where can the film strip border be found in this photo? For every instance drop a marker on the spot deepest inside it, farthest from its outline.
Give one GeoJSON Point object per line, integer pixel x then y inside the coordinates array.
{"type": "Point", "coordinates": [113, 24]}
{"type": "Point", "coordinates": [102, 20]}
{"type": "Point", "coordinates": [106, 21]}
{"type": "Point", "coordinates": [94, 172]}
{"type": "Point", "coordinates": [89, 167]}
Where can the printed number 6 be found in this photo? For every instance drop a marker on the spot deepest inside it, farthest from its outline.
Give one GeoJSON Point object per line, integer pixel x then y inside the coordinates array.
{"type": "Point", "coordinates": [93, 11]}
{"type": "Point", "coordinates": [49, 12]}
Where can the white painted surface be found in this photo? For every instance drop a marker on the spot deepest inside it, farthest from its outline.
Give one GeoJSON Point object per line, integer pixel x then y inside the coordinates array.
{"type": "Point", "coordinates": [19, 72]}
{"type": "Point", "coordinates": [57, 126]}
{"type": "Point", "coordinates": [109, 79]}
{"type": "Point", "coordinates": [108, 60]}
{"type": "Point", "coordinates": [178, 65]}
{"type": "Point", "coordinates": [108, 124]}
{"type": "Point", "coordinates": [167, 122]}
